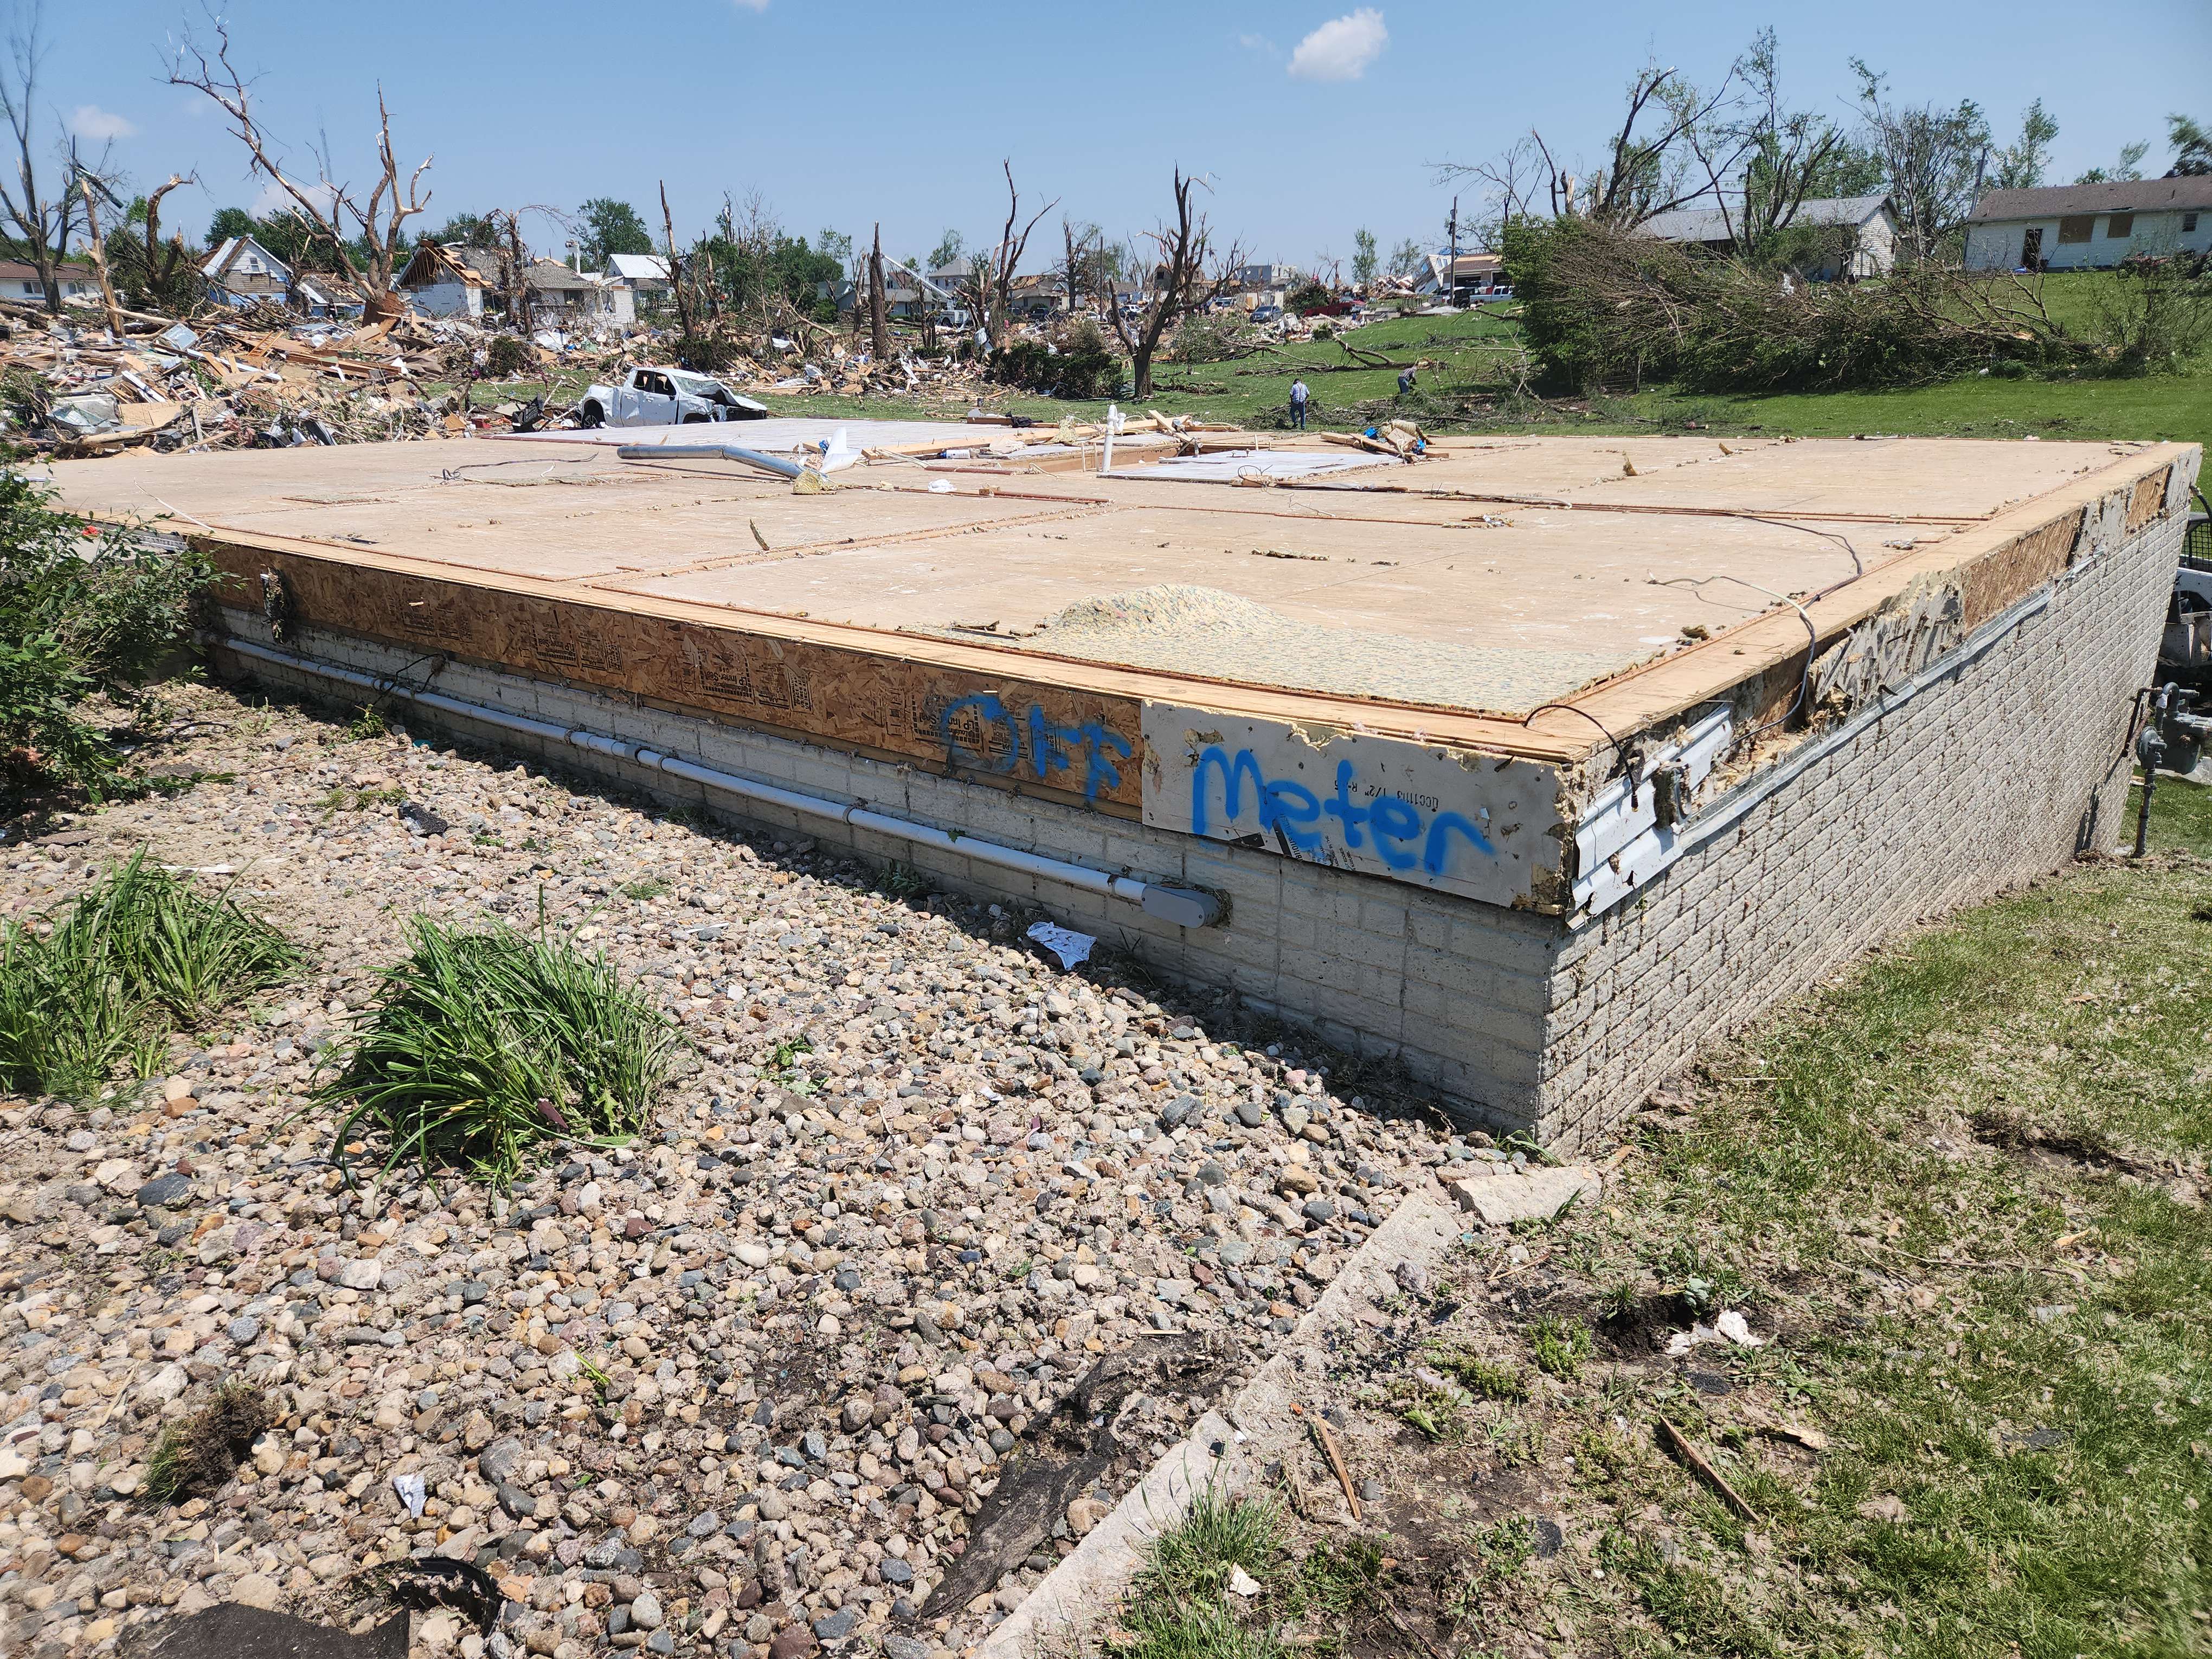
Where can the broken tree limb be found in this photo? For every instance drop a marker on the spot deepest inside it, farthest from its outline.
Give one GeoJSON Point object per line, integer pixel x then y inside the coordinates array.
{"type": "Point", "coordinates": [1678, 1443]}
{"type": "Point", "coordinates": [1327, 1436]}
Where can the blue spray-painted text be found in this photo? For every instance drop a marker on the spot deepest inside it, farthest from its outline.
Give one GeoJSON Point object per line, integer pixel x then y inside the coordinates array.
{"type": "Point", "coordinates": [1291, 812]}
{"type": "Point", "coordinates": [981, 734]}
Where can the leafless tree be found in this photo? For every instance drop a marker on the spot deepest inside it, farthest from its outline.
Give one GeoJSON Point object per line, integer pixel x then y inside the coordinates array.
{"type": "Point", "coordinates": [1645, 173]}
{"type": "Point", "coordinates": [1006, 257]}
{"type": "Point", "coordinates": [42, 216]}
{"type": "Point", "coordinates": [675, 267]}
{"type": "Point", "coordinates": [160, 267]}
{"type": "Point", "coordinates": [1185, 279]}
{"type": "Point", "coordinates": [324, 205]}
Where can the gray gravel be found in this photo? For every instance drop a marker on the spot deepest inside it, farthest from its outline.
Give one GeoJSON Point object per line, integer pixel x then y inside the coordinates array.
{"type": "Point", "coordinates": [737, 1389]}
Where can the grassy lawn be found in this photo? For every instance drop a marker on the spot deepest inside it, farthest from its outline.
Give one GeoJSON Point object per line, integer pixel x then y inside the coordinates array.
{"type": "Point", "coordinates": [1959, 1191]}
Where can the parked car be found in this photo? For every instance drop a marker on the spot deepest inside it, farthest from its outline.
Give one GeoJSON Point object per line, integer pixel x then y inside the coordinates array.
{"type": "Point", "coordinates": [653, 396]}
{"type": "Point", "coordinates": [1266, 313]}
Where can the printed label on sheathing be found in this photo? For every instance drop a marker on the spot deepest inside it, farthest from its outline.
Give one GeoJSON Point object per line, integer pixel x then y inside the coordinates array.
{"type": "Point", "coordinates": [1474, 824]}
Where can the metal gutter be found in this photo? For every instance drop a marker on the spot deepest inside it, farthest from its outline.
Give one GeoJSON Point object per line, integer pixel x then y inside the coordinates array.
{"type": "Point", "coordinates": [1183, 906]}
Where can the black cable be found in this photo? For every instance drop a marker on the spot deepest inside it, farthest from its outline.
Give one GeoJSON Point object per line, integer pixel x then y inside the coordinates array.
{"type": "Point", "coordinates": [1569, 709]}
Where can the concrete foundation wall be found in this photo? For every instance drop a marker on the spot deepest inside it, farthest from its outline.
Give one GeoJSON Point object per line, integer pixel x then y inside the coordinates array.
{"type": "Point", "coordinates": [1993, 774]}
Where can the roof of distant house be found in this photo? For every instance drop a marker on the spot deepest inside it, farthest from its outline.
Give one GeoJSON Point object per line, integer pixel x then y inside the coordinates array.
{"type": "Point", "coordinates": [2127, 196]}
{"type": "Point", "coordinates": [639, 267]}
{"type": "Point", "coordinates": [231, 247]}
{"type": "Point", "coordinates": [1709, 224]}
{"type": "Point", "coordinates": [18, 271]}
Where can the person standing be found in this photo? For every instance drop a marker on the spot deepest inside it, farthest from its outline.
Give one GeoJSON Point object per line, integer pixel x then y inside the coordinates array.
{"type": "Point", "coordinates": [1298, 399]}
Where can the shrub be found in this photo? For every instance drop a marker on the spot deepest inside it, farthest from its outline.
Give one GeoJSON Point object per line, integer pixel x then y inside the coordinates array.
{"type": "Point", "coordinates": [137, 951]}
{"type": "Point", "coordinates": [508, 356]}
{"type": "Point", "coordinates": [481, 1047]}
{"type": "Point", "coordinates": [83, 610]}
{"type": "Point", "coordinates": [1606, 307]}
{"type": "Point", "coordinates": [1079, 364]}
{"type": "Point", "coordinates": [1309, 295]}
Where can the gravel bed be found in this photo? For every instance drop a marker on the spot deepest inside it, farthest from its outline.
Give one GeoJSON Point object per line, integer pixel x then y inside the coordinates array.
{"type": "Point", "coordinates": [740, 1388]}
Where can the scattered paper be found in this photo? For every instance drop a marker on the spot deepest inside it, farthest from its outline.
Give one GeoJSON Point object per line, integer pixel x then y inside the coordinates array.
{"type": "Point", "coordinates": [1071, 947]}
{"type": "Point", "coordinates": [1241, 1582]}
{"type": "Point", "coordinates": [1728, 1327]}
{"type": "Point", "coordinates": [940, 486]}
{"type": "Point", "coordinates": [412, 1491]}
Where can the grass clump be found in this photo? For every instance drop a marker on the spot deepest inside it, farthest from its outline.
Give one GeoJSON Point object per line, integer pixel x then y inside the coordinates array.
{"type": "Point", "coordinates": [84, 612]}
{"type": "Point", "coordinates": [1179, 1607]}
{"type": "Point", "coordinates": [481, 1047]}
{"type": "Point", "coordinates": [141, 949]}
{"type": "Point", "coordinates": [198, 1453]}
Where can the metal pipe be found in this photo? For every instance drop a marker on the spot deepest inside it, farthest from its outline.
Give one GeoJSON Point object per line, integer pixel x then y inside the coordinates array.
{"type": "Point", "coordinates": [775, 463]}
{"type": "Point", "coordinates": [1184, 907]}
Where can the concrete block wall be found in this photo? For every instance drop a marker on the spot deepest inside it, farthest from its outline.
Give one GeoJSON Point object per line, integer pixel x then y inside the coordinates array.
{"type": "Point", "coordinates": [1999, 774]}
{"type": "Point", "coordinates": [1977, 783]}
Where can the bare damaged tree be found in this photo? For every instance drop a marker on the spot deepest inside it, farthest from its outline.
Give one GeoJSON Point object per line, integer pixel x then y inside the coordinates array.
{"type": "Point", "coordinates": [96, 245]}
{"type": "Point", "coordinates": [161, 268]}
{"type": "Point", "coordinates": [1181, 286]}
{"type": "Point", "coordinates": [1645, 173]}
{"type": "Point", "coordinates": [324, 205]}
{"type": "Point", "coordinates": [675, 267]}
{"type": "Point", "coordinates": [1007, 257]}
{"type": "Point", "coordinates": [41, 219]}
{"type": "Point", "coordinates": [1935, 158]}
{"type": "Point", "coordinates": [879, 333]}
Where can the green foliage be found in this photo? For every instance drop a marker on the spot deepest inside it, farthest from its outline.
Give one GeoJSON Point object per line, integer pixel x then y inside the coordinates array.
{"type": "Point", "coordinates": [1179, 1607]}
{"type": "Point", "coordinates": [1309, 295]}
{"type": "Point", "coordinates": [287, 234]}
{"type": "Point", "coordinates": [1559, 1345]}
{"type": "Point", "coordinates": [82, 610]}
{"type": "Point", "coordinates": [1491, 1379]}
{"type": "Point", "coordinates": [1603, 309]}
{"type": "Point", "coordinates": [508, 356]}
{"type": "Point", "coordinates": [611, 227]}
{"type": "Point", "coordinates": [1080, 364]}
{"type": "Point", "coordinates": [480, 1048]}
{"type": "Point", "coordinates": [138, 950]}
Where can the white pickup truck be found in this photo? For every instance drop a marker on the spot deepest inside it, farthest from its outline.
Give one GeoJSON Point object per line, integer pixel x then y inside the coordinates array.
{"type": "Point", "coordinates": [664, 396]}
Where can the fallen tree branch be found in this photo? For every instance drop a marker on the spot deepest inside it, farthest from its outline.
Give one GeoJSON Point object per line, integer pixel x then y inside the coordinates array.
{"type": "Point", "coordinates": [1679, 1445]}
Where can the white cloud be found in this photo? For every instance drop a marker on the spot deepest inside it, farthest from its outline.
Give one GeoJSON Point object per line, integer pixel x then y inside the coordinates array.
{"type": "Point", "coordinates": [1259, 43]}
{"type": "Point", "coordinates": [1342, 48]}
{"type": "Point", "coordinates": [90, 121]}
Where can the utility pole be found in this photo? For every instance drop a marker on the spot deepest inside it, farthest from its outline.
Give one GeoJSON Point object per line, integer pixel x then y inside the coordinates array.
{"type": "Point", "coordinates": [1451, 264]}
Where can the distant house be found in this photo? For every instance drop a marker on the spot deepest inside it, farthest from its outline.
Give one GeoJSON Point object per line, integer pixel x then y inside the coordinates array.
{"type": "Point", "coordinates": [646, 275]}
{"type": "Point", "coordinates": [449, 280]}
{"type": "Point", "coordinates": [20, 281]}
{"type": "Point", "coordinates": [1037, 299]}
{"type": "Point", "coordinates": [955, 276]}
{"type": "Point", "coordinates": [1468, 275]}
{"type": "Point", "coordinates": [2080, 227]}
{"type": "Point", "coordinates": [241, 271]}
{"type": "Point", "coordinates": [1267, 276]}
{"type": "Point", "coordinates": [559, 295]}
{"type": "Point", "coordinates": [1868, 250]}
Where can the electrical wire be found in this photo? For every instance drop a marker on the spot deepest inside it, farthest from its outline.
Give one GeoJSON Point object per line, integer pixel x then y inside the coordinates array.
{"type": "Point", "coordinates": [1568, 707]}
{"type": "Point", "coordinates": [1812, 636]}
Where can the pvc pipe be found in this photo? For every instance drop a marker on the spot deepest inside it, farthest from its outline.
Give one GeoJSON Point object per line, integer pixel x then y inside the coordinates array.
{"type": "Point", "coordinates": [775, 463]}
{"type": "Point", "coordinates": [1185, 907]}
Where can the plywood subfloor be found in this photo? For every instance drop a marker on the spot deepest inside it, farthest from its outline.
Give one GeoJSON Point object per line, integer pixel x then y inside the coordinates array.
{"type": "Point", "coordinates": [1502, 575]}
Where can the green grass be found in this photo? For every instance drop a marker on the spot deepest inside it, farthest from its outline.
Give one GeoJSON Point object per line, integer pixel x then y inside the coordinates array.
{"type": "Point", "coordinates": [481, 1048]}
{"type": "Point", "coordinates": [140, 949]}
{"type": "Point", "coordinates": [1948, 1187]}
{"type": "Point", "coordinates": [198, 1453]}
{"type": "Point", "coordinates": [1179, 1607]}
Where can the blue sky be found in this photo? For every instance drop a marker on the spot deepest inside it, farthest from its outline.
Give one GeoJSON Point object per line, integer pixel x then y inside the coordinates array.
{"type": "Point", "coordinates": [841, 116]}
